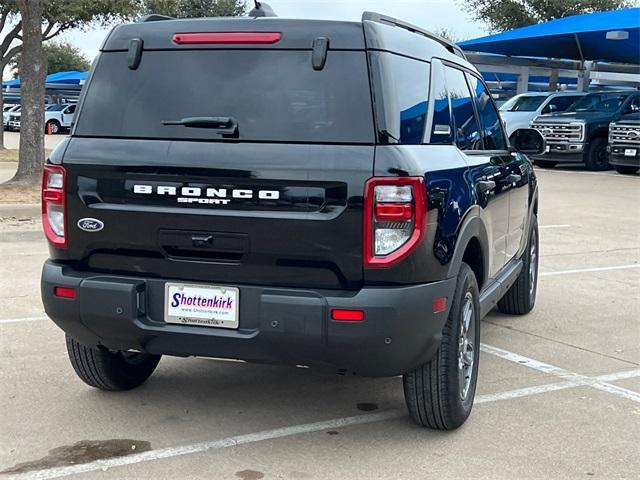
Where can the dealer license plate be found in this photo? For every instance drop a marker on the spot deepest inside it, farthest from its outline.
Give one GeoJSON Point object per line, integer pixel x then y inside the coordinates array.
{"type": "Point", "coordinates": [629, 152]}
{"type": "Point", "coordinates": [203, 305]}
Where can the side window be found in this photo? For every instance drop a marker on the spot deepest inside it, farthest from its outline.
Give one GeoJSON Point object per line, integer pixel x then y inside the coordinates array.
{"type": "Point", "coordinates": [492, 126]}
{"type": "Point", "coordinates": [466, 131]}
{"type": "Point", "coordinates": [560, 103]}
{"type": "Point", "coordinates": [70, 109]}
{"type": "Point", "coordinates": [441, 131]}
{"type": "Point", "coordinates": [405, 89]}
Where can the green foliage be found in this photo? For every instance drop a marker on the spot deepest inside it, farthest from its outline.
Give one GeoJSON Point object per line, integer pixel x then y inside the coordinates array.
{"type": "Point", "coordinates": [82, 13]}
{"type": "Point", "coordinates": [195, 8]}
{"type": "Point", "coordinates": [501, 15]}
{"type": "Point", "coordinates": [61, 57]}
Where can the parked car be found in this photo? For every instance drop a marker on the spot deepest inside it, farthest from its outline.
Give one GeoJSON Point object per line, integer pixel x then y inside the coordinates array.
{"type": "Point", "coordinates": [290, 219]}
{"type": "Point", "coordinates": [59, 117]}
{"type": "Point", "coordinates": [7, 113]}
{"type": "Point", "coordinates": [624, 144]}
{"type": "Point", "coordinates": [519, 111]}
{"type": "Point", "coordinates": [580, 135]}
{"type": "Point", "coordinates": [13, 124]}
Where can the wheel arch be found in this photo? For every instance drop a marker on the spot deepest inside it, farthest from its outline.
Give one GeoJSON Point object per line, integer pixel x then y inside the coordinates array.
{"type": "Point", "coordinates": [472, 247]}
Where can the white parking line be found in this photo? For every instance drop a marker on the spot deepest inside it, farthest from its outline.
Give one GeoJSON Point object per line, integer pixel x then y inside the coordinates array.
{"type": "Point", "coordinates": [589, 270]}
{"type": "Point", "coordinates": [573, 172]}
{"type": "Point", "coordinates": [24, 254]}
{"type": "Point", "coordinates": [554, 226]}
{"type": "Point", "coordinates": [572, 377]}
{"type": "Point", "coordinates": [171, 452]}
{"type": "Point", "coordinates": [22, 320]}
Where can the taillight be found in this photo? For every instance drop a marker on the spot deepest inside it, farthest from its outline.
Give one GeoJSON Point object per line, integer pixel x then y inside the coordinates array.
{"type": "Point", "coordinates": [54, 204]}
{"type": "Point", "coordinates": [226, 38]}
{"type": "Point", "coordinates": [395, 210]}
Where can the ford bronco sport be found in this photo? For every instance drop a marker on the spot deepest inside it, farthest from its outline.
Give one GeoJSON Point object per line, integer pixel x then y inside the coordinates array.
{"type": "Point", "coordinates": [318, 193]}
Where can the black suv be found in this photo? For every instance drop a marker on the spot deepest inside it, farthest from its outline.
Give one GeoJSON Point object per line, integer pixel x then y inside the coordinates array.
{"type": "Point", "coordinates": [580, 134]}
{"type": "Point", "coordinates": [318, 193]}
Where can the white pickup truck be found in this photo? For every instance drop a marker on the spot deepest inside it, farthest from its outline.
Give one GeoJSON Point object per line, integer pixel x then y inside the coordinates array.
{"type": "Point", "coordinates": [58, 117]}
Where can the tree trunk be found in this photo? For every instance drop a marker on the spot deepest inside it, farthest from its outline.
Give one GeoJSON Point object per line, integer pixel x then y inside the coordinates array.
{"type": "Point", "coordinates": [33, 70]}
{"type": "Point", "coordinates": [1, 103]}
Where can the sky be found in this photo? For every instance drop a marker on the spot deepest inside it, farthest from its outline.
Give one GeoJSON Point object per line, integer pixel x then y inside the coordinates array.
{"type": "Point", "coordinates": [428, 14]}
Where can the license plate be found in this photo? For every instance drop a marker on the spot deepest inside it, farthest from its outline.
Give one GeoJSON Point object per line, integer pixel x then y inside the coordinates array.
{"type": "Point", "coordinates": [630, 152]}
{"type": "Point", "coordinates": [203, 305]}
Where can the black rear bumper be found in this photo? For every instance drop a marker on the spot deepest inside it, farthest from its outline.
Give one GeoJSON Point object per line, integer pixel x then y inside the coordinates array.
{"type": "Point", "coordinates": [291, 326]}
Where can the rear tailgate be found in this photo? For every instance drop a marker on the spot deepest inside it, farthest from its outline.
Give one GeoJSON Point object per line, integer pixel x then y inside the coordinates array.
{"type": "Point", "coordinates": [278, 203]}
{"type": "Point", "coordinates": [311, 235]}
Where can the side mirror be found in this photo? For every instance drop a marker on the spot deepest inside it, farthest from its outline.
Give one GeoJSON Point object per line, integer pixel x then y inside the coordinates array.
{"type": "Point", "coordinates": [528, 141]}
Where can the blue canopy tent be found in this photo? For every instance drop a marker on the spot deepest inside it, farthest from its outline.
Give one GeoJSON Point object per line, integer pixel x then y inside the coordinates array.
{"type": "Point", "coordinates": [607, 36]}
{"type": "Point", "coordinates": [61, 78]}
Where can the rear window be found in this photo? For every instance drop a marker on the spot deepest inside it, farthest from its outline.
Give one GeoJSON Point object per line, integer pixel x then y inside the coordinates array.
{"type": "Point", "coordinates": [273, 96]}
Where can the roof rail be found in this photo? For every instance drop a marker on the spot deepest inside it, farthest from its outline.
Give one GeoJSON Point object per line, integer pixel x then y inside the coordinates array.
{"type": "Point", "coordinates": [154, 17]}
{"type": "Point", "coordinates": [380, 18]}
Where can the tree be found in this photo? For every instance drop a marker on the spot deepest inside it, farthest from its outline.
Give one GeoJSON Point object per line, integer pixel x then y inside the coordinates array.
{"type": "Point", "coordinates": [53, 17]}
{"type": "Point", "coordinates": [60, 15]}
{"type": "Point", "coordinates": [195, 8]}
{"type": "Point", "coordinates": [57, 16]}
{"type": "Point", "coordinates": [501, 15]}
{"type": "Point", "coordinates": [34, 72]}
{"type": "Point", "coordinates": [448, 34]}
{"type": "Point", "coordinates": [61, 57]}
{"type": "Point", "coordinates": [8, 48]}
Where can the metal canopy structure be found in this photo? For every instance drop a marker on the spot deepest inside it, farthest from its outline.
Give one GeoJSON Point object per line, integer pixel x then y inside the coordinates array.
{"type": "Point", "coordinates": [607, 36]}
{"type": "Point", "coordinates": [72, 77]}
{"type": "Point", "coordinates": [601, 47]}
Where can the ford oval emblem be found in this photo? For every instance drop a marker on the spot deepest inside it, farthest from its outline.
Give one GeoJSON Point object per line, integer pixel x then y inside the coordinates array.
{"type": "Point", "coordinates": [90, 225]}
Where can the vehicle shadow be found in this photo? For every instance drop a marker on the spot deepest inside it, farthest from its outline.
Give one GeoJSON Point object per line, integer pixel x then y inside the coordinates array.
{"type": "Point", "coordinates": [206, 399]}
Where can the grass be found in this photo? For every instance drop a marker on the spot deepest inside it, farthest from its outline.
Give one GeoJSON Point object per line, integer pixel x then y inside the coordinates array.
{"type": "Point", "coordinates": [8, 155]}
{"type": "Point", "coordinates": [17, 192]}
{"type": "Point", "coordinates": [11, 154]}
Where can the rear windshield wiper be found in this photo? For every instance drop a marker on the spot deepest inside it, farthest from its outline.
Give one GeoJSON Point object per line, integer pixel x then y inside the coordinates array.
{"type": "Point", "coordinates": [225, 125]}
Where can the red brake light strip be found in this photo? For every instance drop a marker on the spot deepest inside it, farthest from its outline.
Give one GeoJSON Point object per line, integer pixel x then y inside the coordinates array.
{"type": "Point", "coordinates": [227, 38]}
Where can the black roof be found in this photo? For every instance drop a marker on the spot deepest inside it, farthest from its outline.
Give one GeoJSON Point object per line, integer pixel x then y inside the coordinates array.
{"type": "Point", "coordinates": [374, 32]}
{"type": "Point", "coordinates": [297, 34]}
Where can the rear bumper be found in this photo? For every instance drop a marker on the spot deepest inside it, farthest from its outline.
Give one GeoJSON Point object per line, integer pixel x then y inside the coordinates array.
{"type": "Point", "coordinates": [290, 326]}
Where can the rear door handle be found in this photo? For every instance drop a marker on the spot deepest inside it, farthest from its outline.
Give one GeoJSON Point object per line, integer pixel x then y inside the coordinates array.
{"type": "Point", "coordinates": [486, 185]}
{"type": "Point", "coordinates": [202, 241]}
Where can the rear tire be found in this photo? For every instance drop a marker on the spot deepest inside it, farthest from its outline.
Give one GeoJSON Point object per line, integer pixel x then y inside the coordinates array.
{"type": "Point", "coordinates": [440, 393]}
{"type": "Point", "coordinates": [521, 297]}
{"type": "Point", "coordinates": [625, 169]}
{"type": "Point", "coordinates": [596, 158]}
{"type": "Point", "coordinates": [108, 370]}
{"type": "Point", "coordinates": [545, 163]}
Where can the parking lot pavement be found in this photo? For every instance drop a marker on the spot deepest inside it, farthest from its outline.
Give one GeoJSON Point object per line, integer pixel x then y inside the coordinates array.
{"type": "Point", "coordinates": [12, 140]}
{"type": "Point", "coordinates": [558, 395]}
